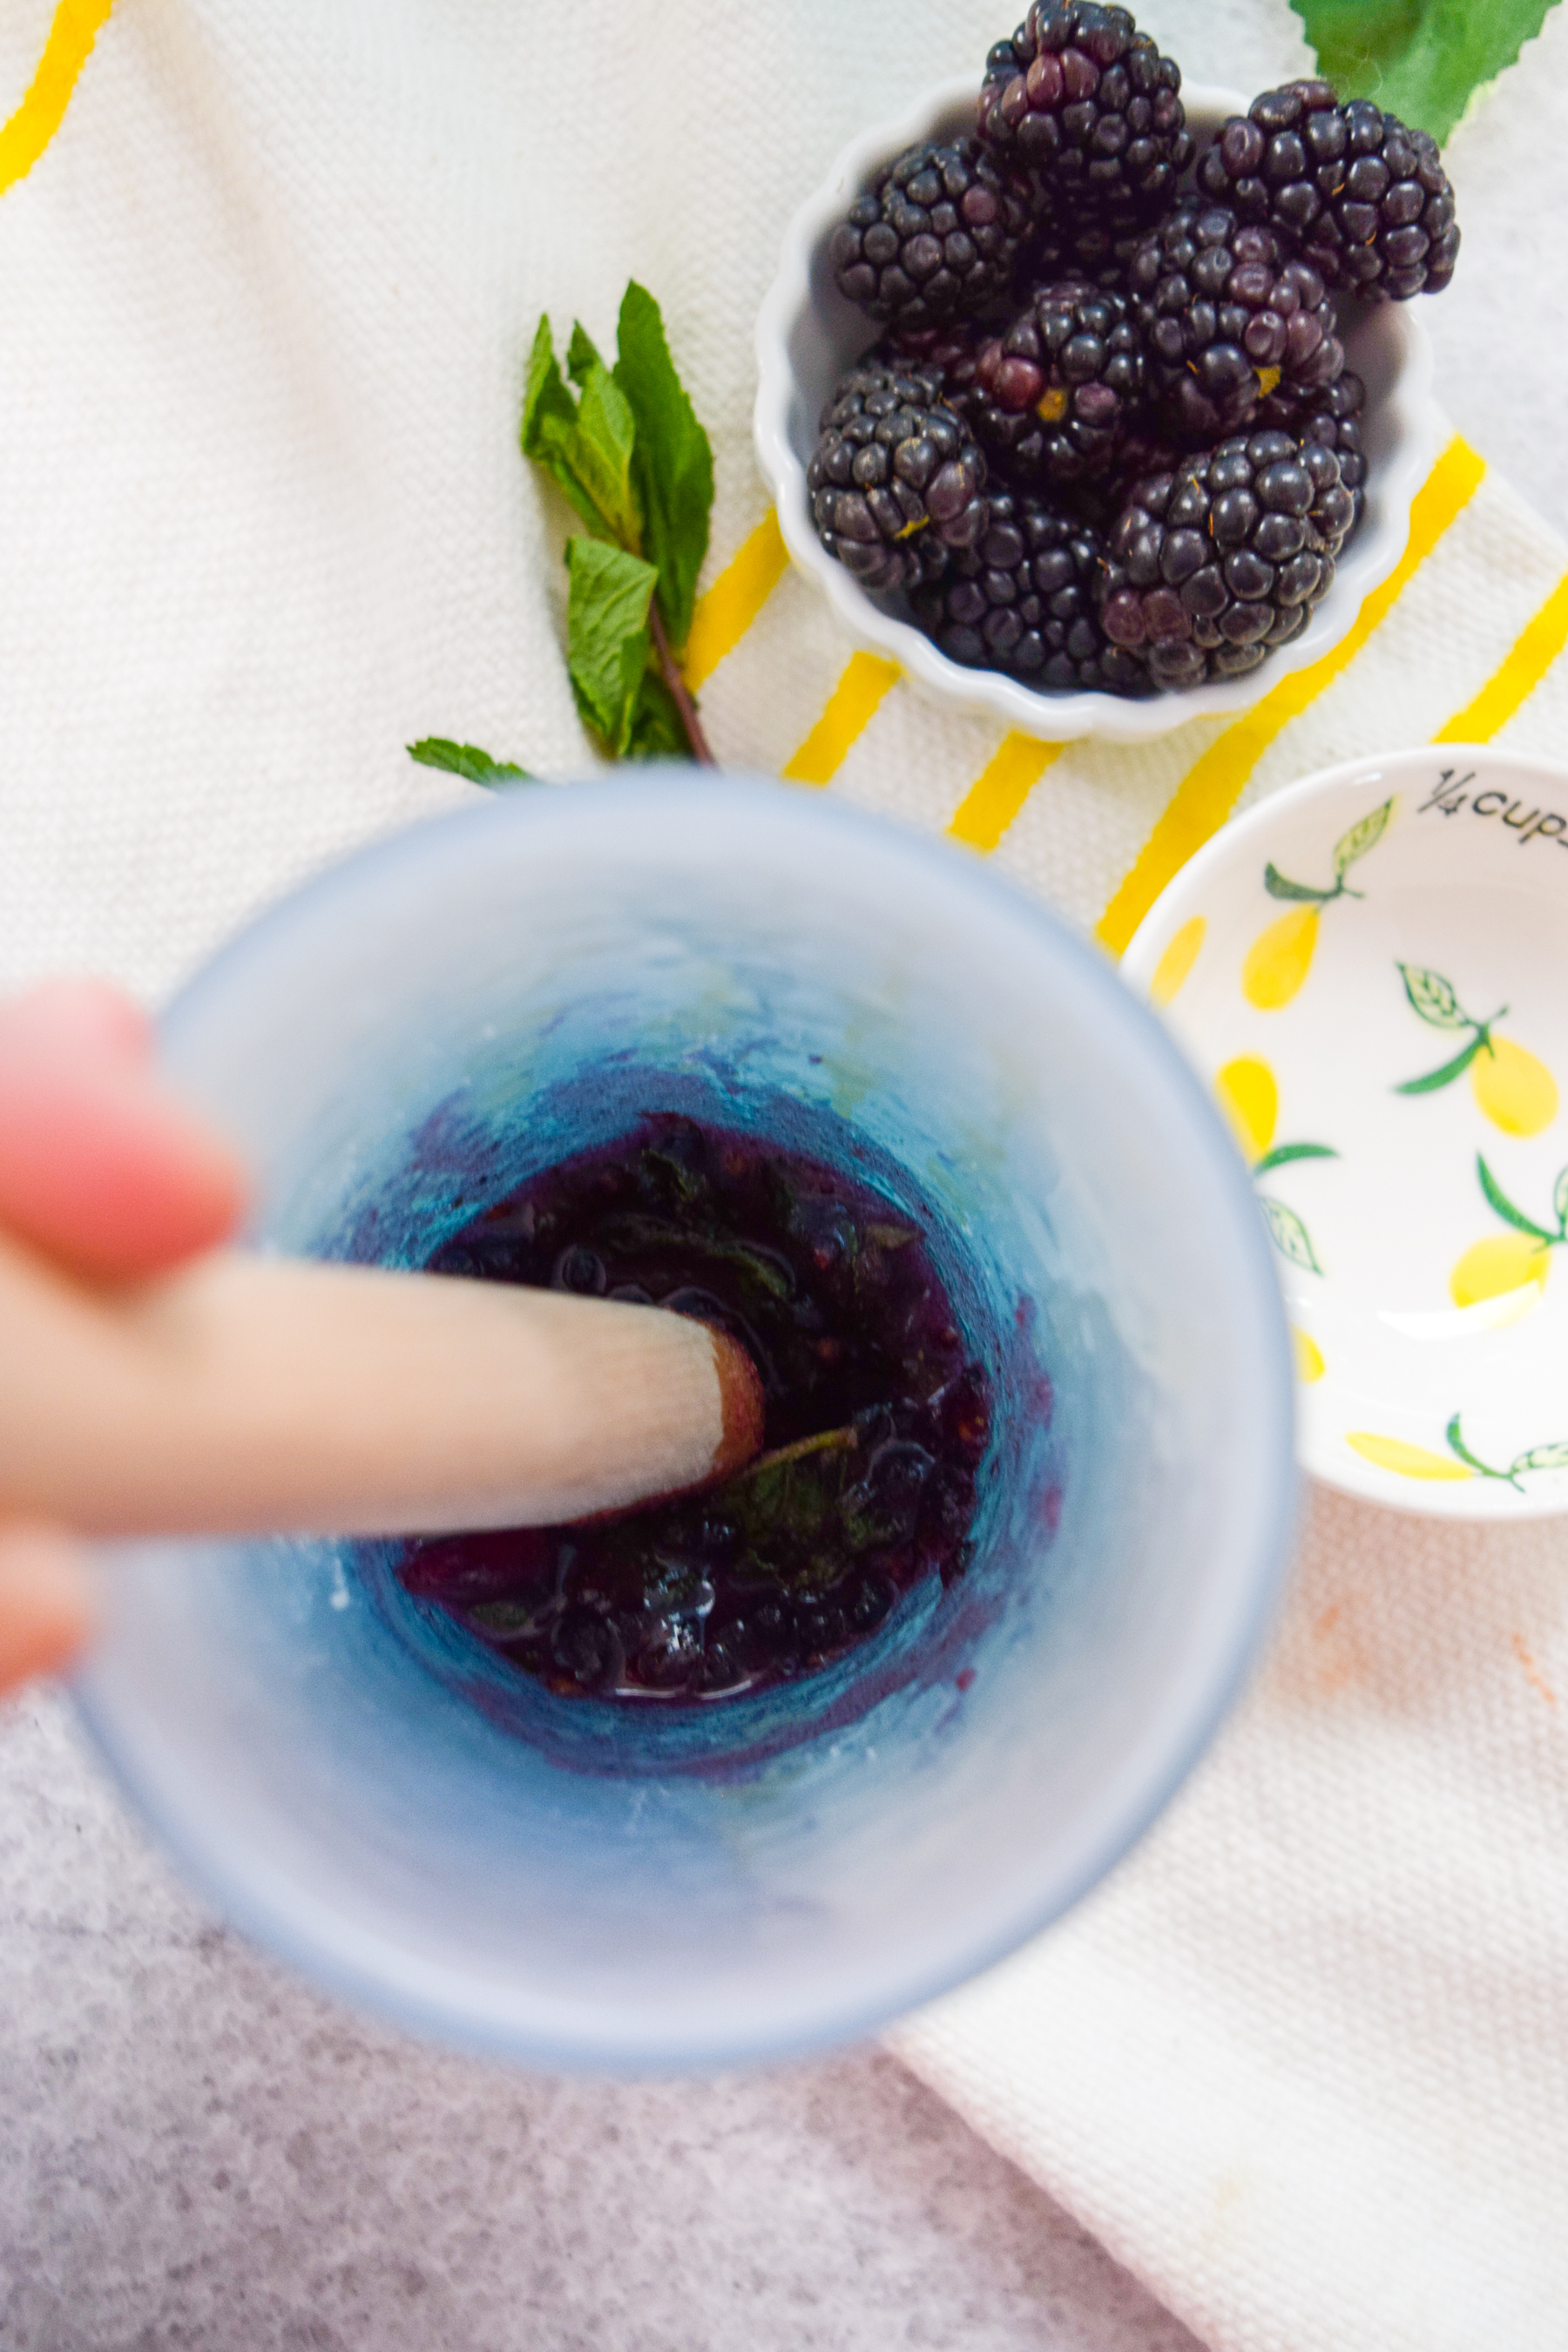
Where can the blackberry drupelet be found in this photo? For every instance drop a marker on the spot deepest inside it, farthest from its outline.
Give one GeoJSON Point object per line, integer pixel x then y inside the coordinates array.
{"type": "Point", "coordinates": [1022, 600]}
{"type": "Point", "coordinates": [1057, 391]}
{"type": "Point", "coordinates": [1213, 565]}
{"type": "Point", "coordinates": [1088, 102]}
{"type": "Point", "coordinates": [1331, 416]}
{"type": "Point", "coordinates": [943, 359]}
{"type": "Point", "coordinates": [896, 480]}
{"type": "Point", "coordinates": [1352, 190]}
{"type": "Point", "coordinates": [937, 234]}
{"type": "Point", "coordinates": [1227, 318]}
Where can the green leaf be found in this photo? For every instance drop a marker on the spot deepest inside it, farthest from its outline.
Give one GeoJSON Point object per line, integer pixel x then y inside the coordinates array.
{"type": "Point", "coordinates": [505, 1617]}
{"type": "Point", "coordinates": [673, 462]}
{"type": "Point", "coordinates": [546, 402]}
{"type": "Point", "coordinates": [467, 759]}
{"type": "Point", "coordinates": [657, 732]}
{"type": "Point", "coordinates": [1560, 1201]}
{"type": "Point", "coordinates": [1361, 837]}
{"type": "Point", "coordinates": [1290, 1237]}
{"type": "Point", "coordinates": [1283, 1153]}
{"type": "Point", "coordinates": [581, 353]}
{"type": "Point", "coordinates": [1504, 1206]}
{"type": "Point", "coordinates": [1542, 1457]}
{"type": "Point", "coordinates": [1275, 884]}
{"type": "Point", "coordinates": [1420, 59]}
{"type": "Point", "coordinates": [1447, 1075]}
{"type": "Point", "coordinates": [1433, 997]}
{"type": "Point", "coordinates": [606, 635]}
{"type": "Point", "coordinates": [584, 447]}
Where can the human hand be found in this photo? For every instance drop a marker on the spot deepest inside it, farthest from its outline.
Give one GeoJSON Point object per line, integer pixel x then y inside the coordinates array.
{"type": "Point", "coordinates": [106, 1176]}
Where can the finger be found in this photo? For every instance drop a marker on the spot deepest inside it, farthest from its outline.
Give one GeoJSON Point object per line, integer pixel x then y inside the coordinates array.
{"type": "Point", "coordinates": [46, 1613]}
{"type": "Point", "coordinates": [100, 1166]}
{"type": "Point", "coordinates": [79, 1019]}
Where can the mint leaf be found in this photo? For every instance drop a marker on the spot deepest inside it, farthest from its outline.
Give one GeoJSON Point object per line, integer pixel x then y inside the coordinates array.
{"type": "Point", "coordinates": [673, 464]}
{"type": "Point", "coordinates": [608, 636]}
{"type": "Point", "coordinates": [657, 732]}
{"type": "Point", "coordinates": [585, 447]}
{"type": "Point", "coordinates": [581, 353]}
{"type": "Point", "coordinates": [1420, 59]}
{"type": "Point", "coordinates": [467, 759]}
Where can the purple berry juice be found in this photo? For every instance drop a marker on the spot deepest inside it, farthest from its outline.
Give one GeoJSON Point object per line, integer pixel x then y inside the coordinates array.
{"type": "Point", "coordinates": [876, 1423]}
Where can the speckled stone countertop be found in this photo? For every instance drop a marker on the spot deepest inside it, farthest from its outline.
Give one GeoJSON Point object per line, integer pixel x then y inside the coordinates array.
{"type": "Point", "coordinates": [197, 2152]}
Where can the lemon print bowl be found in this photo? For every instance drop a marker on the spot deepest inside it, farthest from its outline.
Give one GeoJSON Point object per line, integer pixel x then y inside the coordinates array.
{"type": "Point", "coordinates": [1369, 969]}
{"type": "Point", "coordinates": [808, 334]}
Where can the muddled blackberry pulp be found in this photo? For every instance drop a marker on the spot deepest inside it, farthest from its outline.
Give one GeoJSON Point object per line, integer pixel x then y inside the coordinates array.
{"type": "Point", "coordinates": [876, 1423]}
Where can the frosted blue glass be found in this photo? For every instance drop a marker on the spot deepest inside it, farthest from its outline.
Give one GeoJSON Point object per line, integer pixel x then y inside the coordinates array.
{"type": "Point", "coordinates": [358, 1781]}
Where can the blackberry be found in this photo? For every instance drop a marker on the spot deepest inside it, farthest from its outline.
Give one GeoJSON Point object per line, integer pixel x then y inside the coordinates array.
{"type": "Point", "coordinates": [896, 480]}
{"type": "Point", "coordinates": [1333, 417]}
{"type": "Point", "coordinates": [1022, 600]}
{"type": "Point", "coordinates": [1087, 101]}
{"type": "Point", "coordinates": [937, 234]}
{"type": "Point", "coordinates": [1362, 198]}
{"type": "Point", "coordinates": [1055, 392]}
{"type": "Point", "coordinates": [1211, 566]}
{"type": "Point", "coordinates": [1227, 318]}
{"type": "Point", "coordinates": [943, 359]}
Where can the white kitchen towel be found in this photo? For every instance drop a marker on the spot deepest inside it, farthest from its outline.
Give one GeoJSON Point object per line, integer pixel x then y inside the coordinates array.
{"type": "Point", "coordinates": [268, 288]}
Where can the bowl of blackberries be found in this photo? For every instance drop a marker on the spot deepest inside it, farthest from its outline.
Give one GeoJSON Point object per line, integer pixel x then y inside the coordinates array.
{"type": "Point", "coordinates": [1098, 404]}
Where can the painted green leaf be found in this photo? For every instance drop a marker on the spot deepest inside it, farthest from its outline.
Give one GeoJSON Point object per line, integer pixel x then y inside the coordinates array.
{"type": "Point", "coordinates": [1504, 1206]}
{"type": "Point", "coordinates": [674, 463]}
{"type": "Point", "coordinates": [1290, 1236]}
{"type": "Point", "coordinates": [1361, 837]}
{"type": "Point", "coordinates": [1433, 997]}
{"type": "Point", "coordinates": [1543, 1457]}
{"type": "Point", "coordinates": [1420, 59]}
{"type": "Point", "coordinates": [1283, 1153]}
{"type": "Point", "coordinates": [1275, 883]}
{"type": "Point", "coordinates": [1560, 1201]}
{"type": "Point", "coordinates": [1446, 1075]}
{"type": "Point", "coordinates": [1457, 1444]}
{"type": "Point", "coordinates": [467, 759]}
{"type": "Point", "coordinates": [606, 635]}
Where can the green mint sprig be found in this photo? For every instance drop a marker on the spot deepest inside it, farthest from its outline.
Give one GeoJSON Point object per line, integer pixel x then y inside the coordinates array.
{"type": "Point", "coordinates": [633, 462]}
{"type": "Point", "coordinates": [1421, 59]}
{"type": "Point", "coordinates": [626, 452]}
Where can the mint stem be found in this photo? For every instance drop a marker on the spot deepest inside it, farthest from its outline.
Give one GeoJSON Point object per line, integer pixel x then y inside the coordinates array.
{"type": "Point", "coordinates": [679, 692]}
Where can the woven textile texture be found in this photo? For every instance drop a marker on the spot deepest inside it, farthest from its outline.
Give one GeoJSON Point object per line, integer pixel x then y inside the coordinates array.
{"type": "Point", "coordinates": [1303, 2062]}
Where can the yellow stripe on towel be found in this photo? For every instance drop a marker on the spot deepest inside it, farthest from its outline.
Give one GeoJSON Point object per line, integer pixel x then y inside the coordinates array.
{"type": "Point", "coordinates": [850, 709]}
{"type": "Point", "coordinates": [999, 792]}
{"type": "Point", "coordinates": [29, 130]}
{"type": "Point", "coordinates": [1209, 791]}
{"type": "Point", "coordinates": [727, 610]}
{"type": "Point", "coordinates": [1541, 642]}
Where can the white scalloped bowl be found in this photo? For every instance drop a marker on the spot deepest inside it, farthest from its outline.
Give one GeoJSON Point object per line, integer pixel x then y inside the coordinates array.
{"type": "Point", "coordinates": [807, 335]}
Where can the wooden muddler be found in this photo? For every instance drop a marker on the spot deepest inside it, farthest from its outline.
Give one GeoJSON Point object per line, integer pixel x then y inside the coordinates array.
{"type": "Point", "coordinates": [249, 1392]}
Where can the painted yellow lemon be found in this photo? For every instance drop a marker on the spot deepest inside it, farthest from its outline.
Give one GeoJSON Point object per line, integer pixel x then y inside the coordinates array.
{"type": "Point", "coordinates": [1250, 1100]}
{"type": "Point", "coordinates": [1177, 961]}
{"type": "Point", "coordinates": [1310, 1363]}
{"type": "Point", "coordinates": [1503, 1262]}
{"type": "Point", "coordinates": [1410, 1461]}
{"type": "Point", "coordinates": [1279, 959]}
{"type": "Point", "coordinates": [1517, 1093]}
